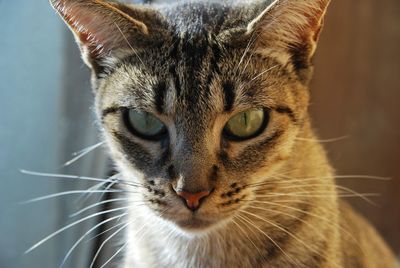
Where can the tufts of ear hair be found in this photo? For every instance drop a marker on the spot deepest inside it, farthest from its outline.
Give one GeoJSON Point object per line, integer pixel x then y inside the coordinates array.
{"type": "Point", "coordinates": [292, 26]}
{"type": "Point", "coordinates": [106, 30]}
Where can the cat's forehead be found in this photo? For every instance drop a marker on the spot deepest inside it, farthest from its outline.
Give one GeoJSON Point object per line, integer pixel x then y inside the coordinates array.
{"type": "Point", "coordinates": [197, 18]}
{"type": "Point", "coordinates": [196, 70]}
{"type": "Point", "coordinates": [196, 76]}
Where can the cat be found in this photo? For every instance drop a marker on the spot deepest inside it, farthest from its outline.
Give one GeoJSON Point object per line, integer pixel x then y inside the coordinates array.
{"type": "Point", "coordinates": [204, 109]}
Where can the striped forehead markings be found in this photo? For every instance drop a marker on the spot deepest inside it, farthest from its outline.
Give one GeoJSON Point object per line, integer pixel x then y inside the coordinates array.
{"type": "Point", "coordinates": [288, 111]}
{"type": "Point", "coordinates": [175, 56]}
{"type": "Point", "coordinates": [190, 53]}
{"type": "Point", "coordinates": [229, 96]}
{"type": "Point", "coordinates": [160, 91]}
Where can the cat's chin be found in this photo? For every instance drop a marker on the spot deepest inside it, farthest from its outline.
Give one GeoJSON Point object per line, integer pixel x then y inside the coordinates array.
{"type": "Point", "coordinates": [198, 226]}
{"type": "Point", "coordinates": [194, 225]}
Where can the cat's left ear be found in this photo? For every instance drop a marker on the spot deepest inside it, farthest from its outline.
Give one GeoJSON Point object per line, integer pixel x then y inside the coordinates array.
{"type": "Point", "coordinates": [108, 30]}
{"type": "Point", "coordinates": [292, 26]}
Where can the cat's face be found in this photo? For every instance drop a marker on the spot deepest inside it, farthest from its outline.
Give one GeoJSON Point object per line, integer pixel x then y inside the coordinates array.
{"type": "Point", "coordinates": [202, 111]}
{"type": "Point", "coordinates": [188, 144]}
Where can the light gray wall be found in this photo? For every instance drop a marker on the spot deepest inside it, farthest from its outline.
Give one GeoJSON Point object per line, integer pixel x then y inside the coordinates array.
{"type": "Point", "coordinates": [30, 75]}
{"type": "Point", "coordinates": [45, 104]}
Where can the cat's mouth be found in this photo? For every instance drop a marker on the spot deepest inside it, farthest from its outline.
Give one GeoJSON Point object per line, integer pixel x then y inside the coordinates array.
{"type": "Point", "coordinates": [194, 224]}
{"type": "Point", "coordinates": [197, 225]}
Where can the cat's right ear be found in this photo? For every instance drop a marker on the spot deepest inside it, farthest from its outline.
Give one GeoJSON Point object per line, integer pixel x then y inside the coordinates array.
{"type": "Point", "coordinates": [290, 26]}
{"type": "Point", "coordinates": [106, 31]}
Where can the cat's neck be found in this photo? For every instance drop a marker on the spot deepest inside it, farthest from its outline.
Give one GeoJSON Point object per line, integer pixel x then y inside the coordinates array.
{"type": "Point", "coordinates": [244, 242]}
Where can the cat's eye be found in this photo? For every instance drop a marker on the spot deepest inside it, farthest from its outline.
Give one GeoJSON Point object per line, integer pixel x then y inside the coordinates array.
{"type": "Point", "coordinates": [144, 125]}
{"type": "Point", "coordinates": [247, 124]}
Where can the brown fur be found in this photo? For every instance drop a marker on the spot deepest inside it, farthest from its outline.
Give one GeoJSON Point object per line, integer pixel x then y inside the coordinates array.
{"type": "Point", "coordinates": [273, 201]}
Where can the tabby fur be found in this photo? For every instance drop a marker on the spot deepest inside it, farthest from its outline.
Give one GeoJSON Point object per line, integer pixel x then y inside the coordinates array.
{"type": "Point", "coordinates": [194, 65]}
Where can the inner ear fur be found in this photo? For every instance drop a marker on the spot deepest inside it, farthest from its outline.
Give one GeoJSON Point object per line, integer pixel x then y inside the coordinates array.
{"type": "Point", "coordinates": [105, 29]}
{"type": "Point", "coordinates": [292, 26]}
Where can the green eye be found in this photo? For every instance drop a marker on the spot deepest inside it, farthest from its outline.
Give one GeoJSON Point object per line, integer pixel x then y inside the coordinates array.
{"type": "Point", "coordinates": [246, 125]}
{"type": "Point", "coordinates": [144, 125]}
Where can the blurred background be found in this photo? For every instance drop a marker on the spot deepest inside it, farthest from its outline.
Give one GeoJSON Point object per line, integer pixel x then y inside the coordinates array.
{"type": "Point", "coordinates": [46, 102]}
{"type": "Point", "coordinates": [356, 93]}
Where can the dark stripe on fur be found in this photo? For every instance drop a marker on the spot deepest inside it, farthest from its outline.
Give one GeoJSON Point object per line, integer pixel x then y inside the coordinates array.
{"type": "Point", "coordinates": [288, 111]}
{"type": "Point", "coordinates": [214, 65]}
{"type": "Point", "coordinates": [221, 20]}
{"type": "Point", "coordinates": [160, 91]}
{"type": "Point", "coordinates": [165, 155]}
{"type": "Point", "coordinates": [318, 259]}
{"type": "Point", "coordinates": [216, 52]}
{"type": "Point", "coordinates": [132, 149]}
{"type": "Point", "coordinates": [194, 52]}
{"type": "Point", "coordinates": [300, 55]}
{"type": "Point", "coordinates": [171, 172]}
{"type": "Point", "coordinates": [175, 56]}
{"type": "Point", "coordinates": [177, 81]}
{"type": "Point", "coordinates": [110, 110]}
{"type": "Point", "coordinates": [251, 157]}
{"type": "Point", "coordinates": [269, 140]}
{"type": "Point", "coordinates": [282, 238]}
{"type": "Point", "coordinates": [229, 96]}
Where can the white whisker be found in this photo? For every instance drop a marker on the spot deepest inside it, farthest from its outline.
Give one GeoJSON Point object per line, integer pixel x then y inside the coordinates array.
{"type": "Point", "coordinates": [252, 39]}
{"type": "Point", "coordinates": [78, 155]}
{"type": "Point", "coordinates": [327, 221]}
{"type": "Point", "coordinates": [266, 235]}
{"type": "Point", "coordinates": [318, 194]}
{"type": "Point", "coordinates": [72, 225]}
{"type": "Point", "coordinates": [98, 204]}
{"type": "Point", "coordinates": [127, 41]}
{"type": "Point", "coordinates": [283, 230]}
{"type": "Point", "coordinates": [263, 72]}
{"type": "Point", "coordinates": [97, 187]}
{"type": "Point", "coordinates": [109, 186]}
{"type": "Point", "coordinates": [247, 236]}
{"type": "Point", "coordinates": [75, 177]}
{"type": "Point", "coordinates": [323, 140]}
{"type": "Point", "coordinates": [357, 194]}
{"type": "Point", "coordinates": [246, 65]}
{"type": "Point", "coordinates": [106, 240]}
{"type": "Point", "coordinates": [108, 230]}
{"type": "Point", "coordinates": [64, 176]}
{"type": "Point", "coordinates": [116, 232]}
{"type": "Point", "coordinates": [86, 234]}
{"type": "Point", "coordinates": [291, 216]}
{"type": "Point", "coordinates": [115, 254]}
{"type": "Point", "coordinates": [86, 196]}
{"type": "Point", "coordinates": [69, 193]}
{"type": "Point", "coordinates": [290, 180]}
{"type": "Point", "coordinates": [362, 177]}
{"type": "Point", "coordinates": [345, 189]}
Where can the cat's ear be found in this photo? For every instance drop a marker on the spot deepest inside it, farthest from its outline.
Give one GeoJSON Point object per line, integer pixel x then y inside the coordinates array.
{"type": "Point", "coordinates": [290, 25]}
{"type": "Point", "coordinates": [105, 30]}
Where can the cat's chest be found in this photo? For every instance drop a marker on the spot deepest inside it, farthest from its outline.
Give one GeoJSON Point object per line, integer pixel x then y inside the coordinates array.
{"type": "Point", "coordinates": [167, 249]}
{"type": "Point", "coordinates": [171, 257]}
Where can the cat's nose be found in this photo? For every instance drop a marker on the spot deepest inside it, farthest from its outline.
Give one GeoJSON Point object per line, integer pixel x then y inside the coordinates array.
{"type": "Point", "coordinates": [193, 200]}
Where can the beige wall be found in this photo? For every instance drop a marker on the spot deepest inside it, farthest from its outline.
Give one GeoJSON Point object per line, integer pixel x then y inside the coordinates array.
{"type": "Point", "coordinates": [356, 92]}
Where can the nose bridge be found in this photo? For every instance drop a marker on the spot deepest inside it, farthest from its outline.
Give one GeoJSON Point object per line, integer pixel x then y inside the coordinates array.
{"type": "Point", "coordinates": [191, 145]}
{"type": "Point", "coordinates": [192, 162]}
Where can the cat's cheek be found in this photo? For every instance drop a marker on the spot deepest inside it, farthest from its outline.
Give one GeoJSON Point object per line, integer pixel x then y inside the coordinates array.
{"type": "Point", "coordinates": [128, 171]}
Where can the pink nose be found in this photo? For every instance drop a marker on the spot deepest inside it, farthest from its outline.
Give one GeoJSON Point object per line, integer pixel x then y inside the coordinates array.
{"type": "Point", "coordinates": [193, 199]}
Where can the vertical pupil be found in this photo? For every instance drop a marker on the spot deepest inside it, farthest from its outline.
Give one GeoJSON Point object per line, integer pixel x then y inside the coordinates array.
{"type": "Point", "coordinates": [245, 124]}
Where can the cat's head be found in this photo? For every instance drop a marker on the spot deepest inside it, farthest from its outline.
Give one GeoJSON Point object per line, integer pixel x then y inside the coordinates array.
{"type": "Point", "coordinates": [199, 102]}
